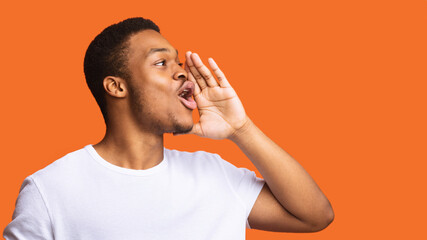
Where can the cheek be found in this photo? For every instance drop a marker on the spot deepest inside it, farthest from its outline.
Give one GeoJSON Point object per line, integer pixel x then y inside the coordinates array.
{"type": "Point", "coordinates": [159, 92]}
{"type": "Point", "coordinates": [158, 82]}
{"type": "Point", "coordinates": [160, 98]}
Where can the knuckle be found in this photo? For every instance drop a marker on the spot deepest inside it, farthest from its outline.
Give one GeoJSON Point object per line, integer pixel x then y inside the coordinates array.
{"type": "Point", "coordinates": [198, 77]}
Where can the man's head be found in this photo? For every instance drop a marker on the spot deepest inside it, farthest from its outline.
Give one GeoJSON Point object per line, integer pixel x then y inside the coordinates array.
{"type": "Point", "coordinates": [107, 55]}
{"type": "Point", "coordinates": [131, 61]}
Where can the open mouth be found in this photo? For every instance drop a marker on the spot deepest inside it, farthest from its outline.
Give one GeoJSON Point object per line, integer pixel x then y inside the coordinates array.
{"type": "Point", "coordinates": [185, 94]}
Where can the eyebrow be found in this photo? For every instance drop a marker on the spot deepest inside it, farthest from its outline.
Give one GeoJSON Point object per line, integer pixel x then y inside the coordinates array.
{"type": "Point", "coordinates": [154, 50]}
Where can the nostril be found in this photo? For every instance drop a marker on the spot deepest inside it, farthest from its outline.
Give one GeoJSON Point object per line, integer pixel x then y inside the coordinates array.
{"type": "Point", "coordinates": [182, 76]}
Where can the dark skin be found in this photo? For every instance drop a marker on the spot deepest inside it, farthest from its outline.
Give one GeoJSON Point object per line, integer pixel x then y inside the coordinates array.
{"type": "Point", "coordinates": [142, 110]}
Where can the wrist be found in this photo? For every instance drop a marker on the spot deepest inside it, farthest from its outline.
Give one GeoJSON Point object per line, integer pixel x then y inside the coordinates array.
{"type": "Point", "coordinates": [243, 131]}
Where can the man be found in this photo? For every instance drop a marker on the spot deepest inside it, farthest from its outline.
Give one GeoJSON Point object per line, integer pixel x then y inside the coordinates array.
{"type": "Point", "coordinates": [128, 186]}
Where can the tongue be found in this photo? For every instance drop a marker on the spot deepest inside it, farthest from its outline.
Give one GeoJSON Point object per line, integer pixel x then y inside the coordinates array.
{"type": "Point", "coordinates": [189, 103]}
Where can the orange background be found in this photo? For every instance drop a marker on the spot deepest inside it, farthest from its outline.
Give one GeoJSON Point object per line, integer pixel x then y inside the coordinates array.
{"type": "Point", "coordinates": [340, 85]}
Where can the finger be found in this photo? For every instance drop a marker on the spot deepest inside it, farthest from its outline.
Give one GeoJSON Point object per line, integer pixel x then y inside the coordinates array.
{"type": "Point", "coordinates": [190, 77]}
{"type": "Point", "coordinates": [203, 70]}
{"type": "Point", "coordinates": [199, 79]}
{"type": "Point", "coordinates": [223, 82]}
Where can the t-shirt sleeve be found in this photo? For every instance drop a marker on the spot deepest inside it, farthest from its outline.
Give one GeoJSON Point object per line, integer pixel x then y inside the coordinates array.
{"type": "Point", "coordinates": [30, 220]}
{"type": "Point", "coordinates": [245, 183]}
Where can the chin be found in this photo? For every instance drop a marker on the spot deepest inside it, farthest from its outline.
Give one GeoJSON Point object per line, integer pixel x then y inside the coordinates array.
{"type": "Point", "coordinates": [181, 124]}
{"type": "Point", "coordinates": [183, 128]}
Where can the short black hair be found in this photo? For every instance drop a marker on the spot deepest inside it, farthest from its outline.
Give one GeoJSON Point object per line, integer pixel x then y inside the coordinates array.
{"type": "Point", "coordinates": [107, 55]}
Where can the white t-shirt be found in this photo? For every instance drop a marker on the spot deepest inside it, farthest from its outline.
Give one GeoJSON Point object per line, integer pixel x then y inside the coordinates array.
{"type": "Point", "coordinates": [187, 196]}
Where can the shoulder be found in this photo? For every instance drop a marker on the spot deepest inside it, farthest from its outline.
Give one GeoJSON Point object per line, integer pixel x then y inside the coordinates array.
{"type": "Point", "coordinates": [197, 159]}
{"type": "Point", "coordinates": [62, 166]}
{"type": "Point", "coordinates": [198, 155]}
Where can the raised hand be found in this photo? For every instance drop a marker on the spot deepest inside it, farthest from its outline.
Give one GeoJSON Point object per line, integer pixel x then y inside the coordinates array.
{"type": "Point", "coordinates": [221, 111]}
{"type": "Point", "coordinates": [290, 194]}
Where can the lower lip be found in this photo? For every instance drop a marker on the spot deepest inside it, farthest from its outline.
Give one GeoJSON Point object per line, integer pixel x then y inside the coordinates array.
{"type": "Point", "coordinates": [190, 104]}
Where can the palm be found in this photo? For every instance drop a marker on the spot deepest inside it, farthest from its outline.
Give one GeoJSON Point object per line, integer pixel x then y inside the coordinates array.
{"type": "Point", "coordinates": [221, 111]}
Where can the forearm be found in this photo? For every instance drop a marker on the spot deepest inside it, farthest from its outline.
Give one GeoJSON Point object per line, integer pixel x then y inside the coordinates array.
{"type": "Point", "coordinates": [292, 186]}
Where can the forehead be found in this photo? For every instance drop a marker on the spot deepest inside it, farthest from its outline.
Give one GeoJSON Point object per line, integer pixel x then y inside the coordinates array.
{"type": "Point", "coordinates": [141, 43]}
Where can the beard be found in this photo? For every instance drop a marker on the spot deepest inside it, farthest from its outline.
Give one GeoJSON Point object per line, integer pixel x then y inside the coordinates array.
{"type": "Point", "coordinates": [150, 120]}
{"type": "Point", "coordinates": [177, 127]}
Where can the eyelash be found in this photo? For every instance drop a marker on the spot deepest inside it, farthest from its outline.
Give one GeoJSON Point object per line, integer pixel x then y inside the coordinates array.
{"type": "Point", "coordinates": [164, 62]}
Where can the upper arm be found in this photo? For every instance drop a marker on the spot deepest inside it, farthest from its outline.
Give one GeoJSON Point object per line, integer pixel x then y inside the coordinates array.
{"type": "Point", "coordinates": [269, 215]}
{"type": "Point", "coordinates": [30, 219]}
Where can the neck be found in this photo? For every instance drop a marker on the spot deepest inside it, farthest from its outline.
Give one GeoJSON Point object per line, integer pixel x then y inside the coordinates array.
{"type": "Point", "coordinates": [131, 149]}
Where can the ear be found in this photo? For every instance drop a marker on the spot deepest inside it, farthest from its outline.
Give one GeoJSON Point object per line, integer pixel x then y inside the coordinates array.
{"type": "Point", "coordinates": [115, 86]}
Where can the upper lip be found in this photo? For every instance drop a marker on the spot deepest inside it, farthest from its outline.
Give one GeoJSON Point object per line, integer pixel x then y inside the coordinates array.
{"type": "Point", "coordinates": [186, 86]}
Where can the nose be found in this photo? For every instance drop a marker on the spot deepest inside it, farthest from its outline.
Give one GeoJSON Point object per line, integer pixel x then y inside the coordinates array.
{"type": "Point", "coordinates": [180, 74]}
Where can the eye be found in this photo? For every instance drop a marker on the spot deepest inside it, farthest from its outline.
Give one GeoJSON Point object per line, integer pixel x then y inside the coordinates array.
{"type": "Point", "coordinates": [162, 63]}
{"type": "Point", "coordinates": [180, 64]}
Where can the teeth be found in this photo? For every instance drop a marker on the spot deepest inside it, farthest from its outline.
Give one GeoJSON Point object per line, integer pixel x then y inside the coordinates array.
{"type": "Point", "coordinates": [183, 93]}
